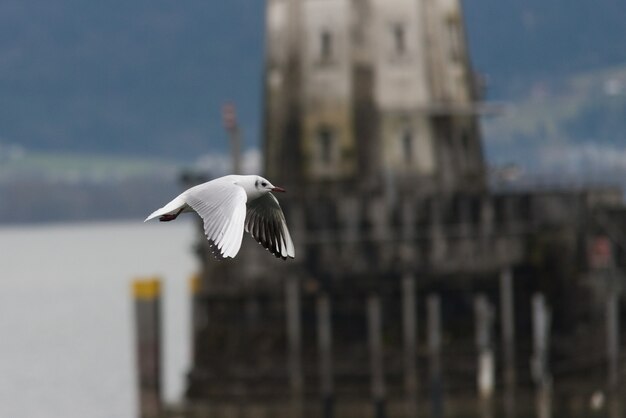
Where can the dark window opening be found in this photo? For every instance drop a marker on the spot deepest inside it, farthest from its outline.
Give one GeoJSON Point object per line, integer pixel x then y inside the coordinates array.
{"type": "Point", "coordinates": [325, 139]}
{"type": "Point", "coordinates": [326, 45]}
{"type": "Point", "coordinates": [407, 146]}
{"type": "Point", "coordinates": [399, 37]}
{"type": "Point", "coordinates": [466, 147]}
{"type": "Point", "coordinates": [465, 141]}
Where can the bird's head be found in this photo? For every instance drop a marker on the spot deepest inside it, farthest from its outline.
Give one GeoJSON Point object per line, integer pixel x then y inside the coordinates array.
{"type": "Point", "coordinates": [264, 186]}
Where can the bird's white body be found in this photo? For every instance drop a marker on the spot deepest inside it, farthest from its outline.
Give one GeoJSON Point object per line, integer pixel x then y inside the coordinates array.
{"type": "Point", "coordinates": [230, 204]}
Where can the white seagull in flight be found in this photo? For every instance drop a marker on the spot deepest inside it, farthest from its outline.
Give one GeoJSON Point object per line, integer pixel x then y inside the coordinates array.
{"type": "Point", "coordinates": [230, 204]}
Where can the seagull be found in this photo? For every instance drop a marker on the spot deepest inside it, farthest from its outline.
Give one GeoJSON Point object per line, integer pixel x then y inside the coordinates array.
{"type": "Point", "coordinates": [230, 204]}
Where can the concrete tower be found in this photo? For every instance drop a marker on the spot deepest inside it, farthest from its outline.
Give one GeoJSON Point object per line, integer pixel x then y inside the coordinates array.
{"type": "Point", "coordinates": [371, 125]}
{"type": "Point", "coordinates": [370, 92]}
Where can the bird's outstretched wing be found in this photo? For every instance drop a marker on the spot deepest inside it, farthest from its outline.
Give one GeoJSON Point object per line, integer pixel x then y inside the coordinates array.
{"type": "Point", "coordinates": [222, 207]}
{"type": "Point", "coordinates": [265, 221]}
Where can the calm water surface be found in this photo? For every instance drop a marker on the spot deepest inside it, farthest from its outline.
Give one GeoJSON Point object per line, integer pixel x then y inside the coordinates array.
{"type": "Point", "coordinates": [66, 330]}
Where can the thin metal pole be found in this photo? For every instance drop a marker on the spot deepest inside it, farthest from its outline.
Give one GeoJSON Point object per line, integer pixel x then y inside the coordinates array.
{"type": "Point", "coordinates": [235, 140]}
{"type": "Point", "coordinates": [229, 117]}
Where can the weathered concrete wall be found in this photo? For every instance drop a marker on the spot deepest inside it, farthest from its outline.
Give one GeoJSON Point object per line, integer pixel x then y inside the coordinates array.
{"type": "Point", "coordinates": [359, 89]}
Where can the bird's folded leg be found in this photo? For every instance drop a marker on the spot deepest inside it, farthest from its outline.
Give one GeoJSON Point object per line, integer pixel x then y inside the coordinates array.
{"type": "Point", "coordinates": [170, 216]}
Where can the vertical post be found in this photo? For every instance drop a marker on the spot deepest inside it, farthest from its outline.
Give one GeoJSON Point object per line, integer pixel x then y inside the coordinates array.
{"type": "Point", "coordinates": [613, 352]}
{"type": "Point", "coordinates": [294, 365]}
{"type": "Point", "coordinates": [612, 339]}
{"type": "Point", "coordinates": [376, 355]}
{"type": "Point", "coordinates": [437, 238]}
{"type": "Point", "coordinates": [539, 361]}
{"type": "Point", "coordinates": [147, 297]}
{"type": "Point", "coordinates": [485, 370]}
{"type": "Point", "coordinates": [235, 140]}
{"type": "Point", "coordinates": [507, 310]}
{"type": "Point", "coordinates": [433, 308]}
{"type": "Point", "coordinates": [229, 118]}
{"type": "Point", "coordinates": [324, 345]}
{"type": "Point", "coordinates": [198, 320]}
{"type": "Point", "coordinates": [602, 260]}
{"type": "Point", "coordinates": [409, 323]}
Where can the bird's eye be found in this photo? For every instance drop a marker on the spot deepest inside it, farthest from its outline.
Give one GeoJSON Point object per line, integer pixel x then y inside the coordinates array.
{"type": "Point", "coordinates": [264, 184]}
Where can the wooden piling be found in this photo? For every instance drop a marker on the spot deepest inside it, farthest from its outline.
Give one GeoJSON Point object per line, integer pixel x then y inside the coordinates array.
{"type": "Point", "coordinates": [612, 340]}
{"type": "Point", "coordinates": [324, 345]}
{"type": "Point", "coordinates": [409, 322]}
{"type": "Point", "coordinates": [539, 362]}
{"type": "Point", "coordinates": [198, 316]}
{"type": "Point", "coordinates": [485, 371]}
{"type": "Point", "coordinates": [376, 355]}
{"type": "Point", "coordinates": [507, 333]}
{"type": "Point", "coordinates": [613, 351]}
{"type": "Point", "coordinates": [294, 338]}
{"type": "Point", "coordinates": [147, 300]}
{"type": "Point", "coordinates": [433, 307]}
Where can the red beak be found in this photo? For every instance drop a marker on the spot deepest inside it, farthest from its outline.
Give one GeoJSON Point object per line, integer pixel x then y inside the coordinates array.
{"type": "Point", "coordinates": [279, 189]}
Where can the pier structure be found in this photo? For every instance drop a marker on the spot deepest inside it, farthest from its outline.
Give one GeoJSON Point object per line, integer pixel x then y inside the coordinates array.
{"type": "Point", "coordinates": [372, 125]}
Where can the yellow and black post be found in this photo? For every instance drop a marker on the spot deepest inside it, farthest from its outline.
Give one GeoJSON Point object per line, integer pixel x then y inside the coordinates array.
{"type": "Point", "coordinates": [147, 300]}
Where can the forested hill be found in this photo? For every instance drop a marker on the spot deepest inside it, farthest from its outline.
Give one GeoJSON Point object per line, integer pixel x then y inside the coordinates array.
{"type": "Point", "coordinates": [147, 77]}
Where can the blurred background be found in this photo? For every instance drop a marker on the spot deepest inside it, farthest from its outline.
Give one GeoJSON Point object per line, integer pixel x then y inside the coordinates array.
{"type": "Point", "coordinates": [104, 105]}
{"type": "Point", "coordinates": [100, 102]}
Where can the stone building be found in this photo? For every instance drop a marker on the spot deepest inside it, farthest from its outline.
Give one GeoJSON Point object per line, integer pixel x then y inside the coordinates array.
{"type": "Point", "coordinates": [367, 93]}
{"type": "Point", "coordinates": [371, 124]}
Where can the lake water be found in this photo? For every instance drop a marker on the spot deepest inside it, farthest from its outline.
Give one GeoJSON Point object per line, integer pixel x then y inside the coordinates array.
{"type": "Point", "coordinates": [66, 318]}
